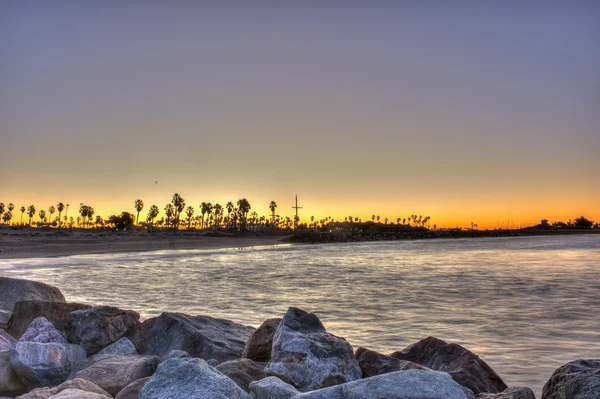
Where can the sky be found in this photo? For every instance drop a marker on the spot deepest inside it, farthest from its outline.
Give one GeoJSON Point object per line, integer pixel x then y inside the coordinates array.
{"type": "Point", "coordinates": [467, 112]}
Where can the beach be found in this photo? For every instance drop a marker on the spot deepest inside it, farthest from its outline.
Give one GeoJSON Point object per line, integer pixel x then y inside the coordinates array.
{"type": "Point", "coordinates": [44, 243]}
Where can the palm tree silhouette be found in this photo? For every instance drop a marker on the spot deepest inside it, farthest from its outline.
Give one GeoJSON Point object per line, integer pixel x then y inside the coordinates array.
{"type": "Point", "coordinates": [218, 213]}
{"type": "Point", "coordinates": [51, 210]}
{"type": "Point", "coordinates": [42, 215]}
{"type": "Point", "coordinates": [30, 212]}
{"type": "Point", "coordinates": [189, 212]}
{"type": "Point", "coordinates": [244, 208]}
{"type": "Point", "coordinates": [229, 206]}
{"type": "Point", "coordinates": [272, 207]}
{"type": "Point", "coordinates": [169, 213]}
{"type": "Point", "coordinates": [139, 205]}
{"type": "Point", "coordinates": [22, 209]}
{"type": "Point", "coordinates": [203, 211]}
{"type": "Point", "coordinates": [179, 205]}
{"type": "Point", "coordinates": [152, 213]}
{"type": "Point", "coordinates": [1, 208]}
{"type": "Point", "coordinates": [60, 207]}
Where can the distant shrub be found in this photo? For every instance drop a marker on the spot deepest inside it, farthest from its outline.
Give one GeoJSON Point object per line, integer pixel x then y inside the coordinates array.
{"type": "Point", "coordinates": [124, 221]}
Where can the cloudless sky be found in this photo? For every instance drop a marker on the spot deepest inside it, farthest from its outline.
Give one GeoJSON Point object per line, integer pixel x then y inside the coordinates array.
{"type": "Point", "coordinates": [464, 111]}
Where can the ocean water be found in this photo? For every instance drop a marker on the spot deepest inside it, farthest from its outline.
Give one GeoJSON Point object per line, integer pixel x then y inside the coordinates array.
{"type": "Point", "coordinates": [524, 305]}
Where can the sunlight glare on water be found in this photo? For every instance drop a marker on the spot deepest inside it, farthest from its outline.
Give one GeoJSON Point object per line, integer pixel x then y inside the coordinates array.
{"type": "Point", "coordinates": [524, 305]}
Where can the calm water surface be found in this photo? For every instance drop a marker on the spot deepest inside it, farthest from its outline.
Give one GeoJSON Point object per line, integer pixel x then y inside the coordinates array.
{"type": "Point", "coordinates": [524, 305]}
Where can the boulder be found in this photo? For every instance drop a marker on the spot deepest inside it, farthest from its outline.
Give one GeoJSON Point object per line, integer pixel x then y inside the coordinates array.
{"type": "Point", "coordinates": [510, 393]}
{"type": "Point", "coordinates": [41, 330]}
{"type": "Point", "coordinates": [57, 313]}
{"type": "Point", "coordinates": [190, 379]}
{"type": "Point", "coordinates": [468, 393]}
{"type": "Point", "coordinates": [200, 336]}
{"type": "Point", "coordinates": [408, 384]}
{"type": "Point", "coordinates": [272, 388]}
{"type": "Point", "coordinates": [44, 364]}
{"type": "Point", "coordinates": [15, 290]}
{"type": "Point", "coordinates": [113, 372]}
{"type": "Point", "coordinates": [305, 355]}
{"type": "Point", "coordinates": [463, 365]}
{"type": "Point", "coordinates": [81, 388]}
{"type": "Point", "coordinates": [374, 363]}
{"type": "Point", "coordinates": [4, 318]}
{"type": "Point", "coordinates": [132, 391]}
{"type": "Point", "coordinates": [139, 334]}
{"type": "Point", "coordinates": [6, 341]}
{"type": "Point", "coordinates": [121, 347]}
{"type": "Point", "coordinates": [10, 385]}
{"type": "Point", "coordinates": [258, 347]}
{"type": "Point", "coordinates": [579, 379]}
{"type": "Point", "coordinates": [243, 371]}
{"type": "Point", "coordinates": [100, 326]}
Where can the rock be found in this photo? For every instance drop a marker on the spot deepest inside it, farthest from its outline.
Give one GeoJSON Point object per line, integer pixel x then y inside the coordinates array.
{"type": "Point", "coordinates": [408, 384]}
{"type": "Point", "coordinates": [121, 347]}
{"type": "Point", "coordinates": [272, 388]}
{"type": "Point", "coordinates": [4, 318]}
{"type": "Point", "coordinates": [374, 363]}
{"type": "Point", "coordinates": [10, 384]}
{"type": "Point", "coordinates": [468, 393]}
{"type": "Point", "coordinates": [57, 313]}
{"type": "Point", "coordinates": [308, 357]}
{"type": "Point", "coordinates": [83, 388]}
{"type": "Point", "coordinates": [200, 336]}
{"type": "Point", "coordinates": [113, 372]}
{"type": "Point", "coordinates": [100, 326]}
{"type": "Point", "coordinates": [579, 379]}
{"type": "Point", "coordinates": [177, 354]}
{"type": "Point", "coordinates": [132, 391]}
{"type": "Point", "coordinates": [190, 379]}
{"type": "Point", "coordinates": [243, 371]}
{"type": "Point", "coordinates": [463, 365]}
{"type": "Point", "coordinates": [6, 341]}
{"type": "Point", "coordinates": [44, 364]}
{"type": "Point", "coordinates": [258, 347]}
{"type": "Point", "coordinates": [139, 334]}
{"type": "Point", "coordinates": [510, 393]}
{"type": "Point", "coordinates": [41, 330]}
{"type": "Point", "coordinates": [15, 290]}
{"type": "Point", "coordinates": [212, 362]}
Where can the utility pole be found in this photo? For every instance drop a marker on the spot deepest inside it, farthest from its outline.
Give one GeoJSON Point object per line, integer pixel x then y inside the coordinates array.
{"type": "Point", "coordinates": [296, 218]}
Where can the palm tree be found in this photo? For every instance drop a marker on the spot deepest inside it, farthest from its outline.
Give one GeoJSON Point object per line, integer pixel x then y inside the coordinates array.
{"type": "Point", "coordinates": [272, 207]}
{"type": "Point", "coordinates": [60, 207]}
{"type": "Point", "coordinates": [244, 208]}
{"type": "Point", "coordinates": [22, 209]}
{"type": "Point", "coordinates": [42, 215]}
{"type": "Point", "coordinates": [152, 213]}
{"type": "Point", "coordinates": [373, 217]}
{"type": "Point", "coordinates": [7, 216]}
{"type": "Point", "coordinates": [1, 208]}
{"type": "Point", "coordinates": [51, 210]}
{"type": "Point", "coordinates": [218, 213]}
{"type": "Point", "coordinates": [229, 206]}
{"type": "Point", "coordinates": [209, 211]}
{"type": "Point", "coordinates": [139, 205]}
{"type": "Point", "coordinates": [385, 220]}
{"type": "Point", "coordinates": [169, 212]}
{"type": "Point", "coordinates": [203, 211]}
{"type": "Point", "coordinates": [30, 212]}
{"type": "Point", "coordinates": [189, 212]}
{"type": "Point", "coordinates": [179, 205]}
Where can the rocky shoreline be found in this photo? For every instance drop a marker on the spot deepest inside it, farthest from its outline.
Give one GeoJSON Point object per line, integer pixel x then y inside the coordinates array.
{"type": "Point", "coordinates": [51, 348]}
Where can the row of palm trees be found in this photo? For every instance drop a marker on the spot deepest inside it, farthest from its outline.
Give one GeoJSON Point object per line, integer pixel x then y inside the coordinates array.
{"type": "Point", "coordinates": [176, 214]}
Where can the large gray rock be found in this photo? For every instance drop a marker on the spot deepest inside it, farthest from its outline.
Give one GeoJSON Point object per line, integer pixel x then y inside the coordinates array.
{"type": "Point", "coordinates": [100, 326]}
{"type": "Point", "coordinates": [132, 391]}
{"type": "Point", "coordinates": [6, 341]}
{"type": "Point", "coordinates": [579, 379]}
{"type": "Point", "coordinates": [44, 364]}
{"type": "Point", "coordinates": [15, 290]}
{"type": "Point", "coordinates": [243, 371]}
{"type": "Point", "coordinates": [121, 347]}
{"type": "Point", "coordinates": [463, 365]}
{"type": "Point", "coordinates": [510, 393]}
{"type": "Point", "coordinates": [305, 355]}
{"type": "Point", "coordinates": [77, 388]}
{"type": "Point", "coordinates": [374, 363]}
{"type": "Point", "coordinates": [57, 313]}
{"type": "Point", "coordinates": [409, 384]}
{"type": "Point", "coordinates": [258, 347]}
{"type": "Point", "coordinates": [190, 379]}
{"type": "Point", "coordinates": [138, 335]}
{"type": "Point", "coordinates": [271, 388]}
{"type": "Point", "coordinates": [10, 385]}
{"type": "Point", "coordinates": [200, 336]}
{"type": "Point", "coordinates": [113, 372]}
{"type": "Point", "coordinates": [41, 330]}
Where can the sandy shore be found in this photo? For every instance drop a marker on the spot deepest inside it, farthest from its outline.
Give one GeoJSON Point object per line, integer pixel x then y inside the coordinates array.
{"type": "Point", "coordinates": [43, 243]}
